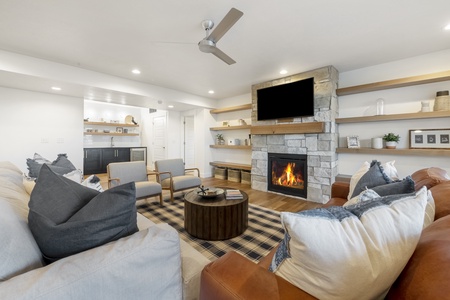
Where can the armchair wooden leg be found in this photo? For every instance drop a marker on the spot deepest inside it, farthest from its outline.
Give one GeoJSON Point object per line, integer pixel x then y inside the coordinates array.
{"type": "Point", "coordinates": [171, 196]}
{"type": "Point", "coordinates": [161, 199]}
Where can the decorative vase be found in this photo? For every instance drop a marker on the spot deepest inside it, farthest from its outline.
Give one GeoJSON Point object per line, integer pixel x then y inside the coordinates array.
{"type": "Point", "coordinates": [391, 145]}
{"type": "Point", "coordinates": [380, 106]}
{"type": "Point", "coordinates": [377, 143]}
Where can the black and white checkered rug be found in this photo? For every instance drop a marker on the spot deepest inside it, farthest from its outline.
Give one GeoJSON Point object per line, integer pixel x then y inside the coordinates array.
{"type": "Point", "coordinates": [263, 233]}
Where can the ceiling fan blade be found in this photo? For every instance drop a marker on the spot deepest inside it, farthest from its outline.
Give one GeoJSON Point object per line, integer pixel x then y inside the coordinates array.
{"type": "Point", "coordinates": [227, 22]}
{"type": "Point", "coordinates": [217, 52]}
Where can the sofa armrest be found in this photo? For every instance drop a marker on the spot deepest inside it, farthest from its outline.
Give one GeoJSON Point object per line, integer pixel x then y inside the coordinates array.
{"type": "Point", "coordinates": [129, 268]}
{"type": "Point", "coordinates": [339, 193]}
{"type": "Point", "coordinates": [340, 189]}
{"type": "Point", "coordinates": [232, 276]}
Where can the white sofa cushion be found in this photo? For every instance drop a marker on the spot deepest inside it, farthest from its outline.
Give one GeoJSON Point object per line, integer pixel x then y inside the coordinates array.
{"type": "Point", "coordinates": [192, 261]}
{"type": "Point", "coordinates": [353, 252]}
{"type": "Point", "coordinates": [19, 252]}
{"type": "Point", "coordinates": [145, 265]}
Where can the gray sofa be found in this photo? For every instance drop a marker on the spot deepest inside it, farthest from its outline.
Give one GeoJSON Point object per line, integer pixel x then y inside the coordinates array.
{"type": "Point", "coordinates": [151, 263]}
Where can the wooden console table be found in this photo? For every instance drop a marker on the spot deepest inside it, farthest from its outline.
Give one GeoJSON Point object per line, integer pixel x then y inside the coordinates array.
{"type": "Point", "coordinates": [215, 218]}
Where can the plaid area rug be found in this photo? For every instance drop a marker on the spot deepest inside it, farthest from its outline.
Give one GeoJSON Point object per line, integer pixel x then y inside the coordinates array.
{"type": "Point", "coordinates": [263, 233]}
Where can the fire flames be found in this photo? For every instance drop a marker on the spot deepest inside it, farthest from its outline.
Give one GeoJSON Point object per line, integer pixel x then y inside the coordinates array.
{"type": "Point", "coordinates": [288, 178]}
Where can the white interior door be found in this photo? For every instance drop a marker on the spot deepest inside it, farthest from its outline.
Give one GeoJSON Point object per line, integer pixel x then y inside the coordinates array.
{"type": "Point", "coordinates": [189, 142]}
{"type": "Point", "coordinates": [159, 138]}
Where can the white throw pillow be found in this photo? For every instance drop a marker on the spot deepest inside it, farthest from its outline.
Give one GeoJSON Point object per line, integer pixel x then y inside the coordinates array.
{"type": "Point", "coordinates": [353, 252]}
{"type": "Point", "coordinates": [355, 178]}
{"type": "Point", "coordinates": [390, 170]}
{"type": "Point", "coordinates": [75, 175]}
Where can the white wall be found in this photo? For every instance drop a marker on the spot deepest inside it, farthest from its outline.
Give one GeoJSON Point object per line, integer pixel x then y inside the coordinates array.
{"type": "Point", "coordinates": [399, 100]}
{"type": "Point", "coordinates": [174, 135]}
{"type": "Point", "coordinates": [41, 123]}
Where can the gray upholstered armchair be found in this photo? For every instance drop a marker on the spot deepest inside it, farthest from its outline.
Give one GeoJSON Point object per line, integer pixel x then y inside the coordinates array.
{"type": "Point", "coordinates": [124, 172]}
{"type": "Point", "coordinates": [173, 176]}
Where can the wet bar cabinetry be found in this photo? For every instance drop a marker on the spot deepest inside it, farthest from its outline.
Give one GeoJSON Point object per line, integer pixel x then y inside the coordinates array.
{"type": "Point", "coordinates": [96, 159]}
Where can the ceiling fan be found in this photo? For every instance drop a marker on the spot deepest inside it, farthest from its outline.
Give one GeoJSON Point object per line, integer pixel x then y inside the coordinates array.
{"type": "Point", "coordinates": [208, 44]}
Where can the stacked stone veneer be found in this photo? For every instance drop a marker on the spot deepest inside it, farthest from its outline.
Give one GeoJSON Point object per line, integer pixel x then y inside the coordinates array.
{"type": "Point", "coordinates": [320, 147]}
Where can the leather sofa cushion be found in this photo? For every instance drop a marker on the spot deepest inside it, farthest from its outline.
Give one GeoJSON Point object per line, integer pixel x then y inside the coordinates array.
{"type": "Point", "coordinates": [425, 275]}
{"type": "Point", "coordinates": [232, 276]}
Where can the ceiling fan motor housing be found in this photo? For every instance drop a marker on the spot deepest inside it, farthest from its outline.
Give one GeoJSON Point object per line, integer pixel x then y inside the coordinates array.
{"type": "Point", "coordinates": [206, 46]}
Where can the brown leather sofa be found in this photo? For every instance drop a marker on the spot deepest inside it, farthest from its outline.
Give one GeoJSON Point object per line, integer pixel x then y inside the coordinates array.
{"type": "Point", "coordinates": [232, 276]}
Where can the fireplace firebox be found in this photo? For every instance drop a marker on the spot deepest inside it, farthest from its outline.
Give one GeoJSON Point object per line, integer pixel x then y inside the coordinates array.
{"type": "Point", "coordinates": [287, 174]}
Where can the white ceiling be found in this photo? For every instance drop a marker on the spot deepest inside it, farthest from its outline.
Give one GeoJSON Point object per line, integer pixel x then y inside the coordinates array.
{"type": "Point", "coordinates": [160, 37]}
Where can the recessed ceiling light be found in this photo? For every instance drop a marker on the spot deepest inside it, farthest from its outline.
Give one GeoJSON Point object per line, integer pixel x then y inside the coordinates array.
{"type": "Point", "coordinates": [282, 72]}
{"type": "Point", "coordinates": [447, 27]}
{"type": "Point", "coordinates": [170, 106]}
{"type": "Point", "coordinates": [136, 71]}
{"type": "Point", "coordinates": [210, 92]}
{"type": "Point", "coordinates": [56, 88]}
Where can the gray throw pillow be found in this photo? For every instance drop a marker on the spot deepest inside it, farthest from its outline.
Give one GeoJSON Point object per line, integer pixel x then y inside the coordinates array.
{"type": "Point", "coordinates": [374, 177]}
{"type": "Point", "coordinates": [61, 165]}
{"type": "Point", "coordinates": [405, 186]}
{"type": "Point", "coordinates": [67, 218]}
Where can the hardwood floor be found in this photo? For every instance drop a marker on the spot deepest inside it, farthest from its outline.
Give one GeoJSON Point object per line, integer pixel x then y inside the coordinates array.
{"type": "Point", "coordinates": [265, 199]}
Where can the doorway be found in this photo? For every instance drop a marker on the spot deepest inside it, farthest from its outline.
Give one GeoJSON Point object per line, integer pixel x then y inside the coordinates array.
{"type": "Point", "coordinates": [189, 142]}
{"type": "Point", "coordinates": [159, 139]}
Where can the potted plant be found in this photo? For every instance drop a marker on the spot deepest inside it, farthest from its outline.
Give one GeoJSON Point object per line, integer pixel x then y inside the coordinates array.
{"type": "Point", "coordinates": [220, 139]}
{"type": "Point", "coordinates": [391, 140]}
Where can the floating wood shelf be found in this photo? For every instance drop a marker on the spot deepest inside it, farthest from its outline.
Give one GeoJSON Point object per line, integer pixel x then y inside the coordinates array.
{"type": "Point", "coordinates": [419, 152]}
{"type": "Point", "coordinates": [394, 117]}
{"type": "Point", "coordinates": [111, 133]}
{"type": "Point", "coordinates": [230, 127]}
{"type": "Point", "coordinates": [395, 83]}
{"type": "Point", "coordinates": [230, 109]}
{"type": "Point", "coordinates": [224, 164]}
{"type": "Point", "coordinates": [310, 127]}
{"type": "Point", "coordinates": [111, 124]}
{"type": "Point", "coordinates": [231, 146]}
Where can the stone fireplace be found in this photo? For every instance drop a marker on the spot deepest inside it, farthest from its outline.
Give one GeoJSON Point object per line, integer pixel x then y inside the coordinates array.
{"type": "Point", "coordinates": [287, 173]}
{"type": "Point", "coordinates": [318, 146]}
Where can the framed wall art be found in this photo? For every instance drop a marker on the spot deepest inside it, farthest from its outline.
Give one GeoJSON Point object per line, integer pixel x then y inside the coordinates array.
{"type": "Point", "coordinates": [119, 129]}
{"type": "Point", "coordinates": [429, 138]}
{"type": "Point", "coordinates": [353, 141]}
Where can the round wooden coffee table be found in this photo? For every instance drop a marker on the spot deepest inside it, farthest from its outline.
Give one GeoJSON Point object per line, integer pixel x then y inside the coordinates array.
{"type": "Point", "coordinates": [215, 218]}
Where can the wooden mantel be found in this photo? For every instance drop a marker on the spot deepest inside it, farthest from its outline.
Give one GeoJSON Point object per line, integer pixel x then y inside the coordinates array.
{"type": "Point", "coordinates": [311, 127]}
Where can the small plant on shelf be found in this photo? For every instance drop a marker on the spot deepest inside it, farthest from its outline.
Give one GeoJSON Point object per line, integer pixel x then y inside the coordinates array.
{"type": "Point", "coordinates": [220, 139]}
{"type": "Point", "coordinates": [391, 140]}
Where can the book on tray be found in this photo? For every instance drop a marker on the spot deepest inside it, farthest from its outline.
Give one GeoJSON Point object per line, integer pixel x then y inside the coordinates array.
{"type": "Point", "coordinates": [233, 194]}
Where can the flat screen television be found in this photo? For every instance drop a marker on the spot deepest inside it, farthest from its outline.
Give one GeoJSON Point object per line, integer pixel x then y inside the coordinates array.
{"type": "Point", "coordinates": [289, 100]}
